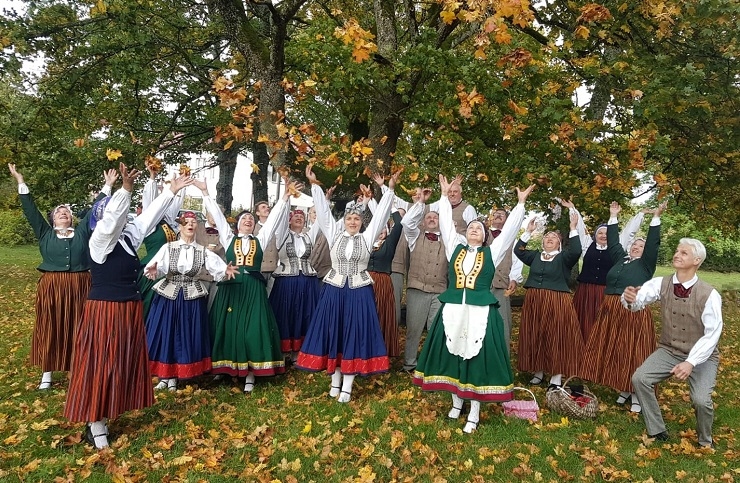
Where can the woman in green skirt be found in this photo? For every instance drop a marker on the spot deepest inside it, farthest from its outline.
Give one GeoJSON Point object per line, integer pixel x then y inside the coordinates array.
{"type": "Point", "coordinates": [465, 352]}
{"type": "Point", "coordinates": [246, 340]}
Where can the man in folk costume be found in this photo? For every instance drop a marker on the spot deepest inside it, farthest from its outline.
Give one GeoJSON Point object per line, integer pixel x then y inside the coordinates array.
{"type": "Point", "coordinates": [691, 311]}
{"type": "Point", "coordinates": [427, 275]}
{"type": "Point", "coordinates": [508, 273]}
{"type": "Point", "coordinates": [270, 252]}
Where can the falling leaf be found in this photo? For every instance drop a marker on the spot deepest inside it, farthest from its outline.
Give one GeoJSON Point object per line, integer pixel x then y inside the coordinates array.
{"type": "Point", "coordinates": [113, 154]}
{"type": "Point", "coordinates": [482, 176]}
{"type": "Point", "coordinates": [184, 170]}
{"type": "Point", "coordinates": [255, 168]}
{"type": "Point", "coordinates": [79, 142]}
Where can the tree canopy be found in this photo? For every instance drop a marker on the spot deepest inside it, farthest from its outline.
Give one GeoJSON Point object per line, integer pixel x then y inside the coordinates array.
{"type": "Point", "coordinates": [492, 90]}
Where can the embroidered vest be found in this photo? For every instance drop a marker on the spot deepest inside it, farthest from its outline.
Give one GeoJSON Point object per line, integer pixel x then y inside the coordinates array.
{"type": "Point", "coordinates": [476, 284]}
{"type": "Point", "coordinates": [289, 264]}
{"type": "Point", "coordinates": [169, 286]}
{"type": "Point", "coordinates": [353, 268]}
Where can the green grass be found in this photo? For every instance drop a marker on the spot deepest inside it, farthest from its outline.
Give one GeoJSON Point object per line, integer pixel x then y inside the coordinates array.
{"type": "Point", "coordinates": [289, 430]}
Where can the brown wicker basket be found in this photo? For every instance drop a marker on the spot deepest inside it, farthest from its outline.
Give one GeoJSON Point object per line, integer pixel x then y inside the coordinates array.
{"type": "Point", "coordinates": [562, 401]}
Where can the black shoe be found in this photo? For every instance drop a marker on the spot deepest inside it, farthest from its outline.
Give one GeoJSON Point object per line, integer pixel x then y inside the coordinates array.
{"type": "Point", "coordinates": [662, 436]}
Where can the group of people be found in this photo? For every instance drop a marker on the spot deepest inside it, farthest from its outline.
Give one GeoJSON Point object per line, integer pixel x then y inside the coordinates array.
{"type": "Point", "coordinates": [206, 300]}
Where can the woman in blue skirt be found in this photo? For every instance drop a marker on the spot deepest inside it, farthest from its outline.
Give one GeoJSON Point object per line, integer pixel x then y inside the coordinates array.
{"type": "Point", "coordinates": [177, 329]}
{"type": "Point", "coordinates": [344, 337]}
{"type": "Point", "coordinates": [466, 353]}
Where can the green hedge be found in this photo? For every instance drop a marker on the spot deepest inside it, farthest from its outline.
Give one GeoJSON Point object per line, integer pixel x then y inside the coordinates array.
{"type": "Point", "coordinates": [14, 229]}
{"type": "Point", "coordinates": [723, 250]}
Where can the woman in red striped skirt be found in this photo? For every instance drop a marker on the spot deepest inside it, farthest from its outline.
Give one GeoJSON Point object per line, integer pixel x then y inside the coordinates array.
{"type": "Point", "coordinates": [64, 282]}
{"type": "Point", "coordinates": [621, 340]}
{"type": "Point", "coordinates": [110, 369]}
{"type": "Point", "coordinates": [549, 335]}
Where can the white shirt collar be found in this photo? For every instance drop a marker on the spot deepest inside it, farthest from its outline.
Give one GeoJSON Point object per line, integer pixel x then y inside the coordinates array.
{"type": "Point", "coordinates": [688, 283]}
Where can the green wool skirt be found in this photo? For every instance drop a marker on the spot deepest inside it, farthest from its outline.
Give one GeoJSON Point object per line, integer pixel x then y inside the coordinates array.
{"type": "Point", "coordinates": [243, 330]}
{"type": "Point", "coordinates": [485, 377]}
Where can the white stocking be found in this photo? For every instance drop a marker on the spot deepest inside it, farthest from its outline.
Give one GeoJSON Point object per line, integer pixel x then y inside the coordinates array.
{"type": "Point", "coordinates": [99, 434]}
{"type": "Point", "coordinates": [249, 382]}
{"type": "Point", "coordinates": [457, 405]}
{"type": "Point", "coordinates": [556, 379]}
{"type": "Point", "coordinates": [336, 383]}
{"type": "Point", "coordinates": [473, 418]}
{"type": "Point", "coordinates": [346, 393]}
{"type": "Point", "coordinates": [45, 380]}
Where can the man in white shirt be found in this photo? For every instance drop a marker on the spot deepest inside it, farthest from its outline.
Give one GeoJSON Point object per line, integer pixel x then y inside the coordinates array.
{"type": "Point", "coordinates": [691, 312]}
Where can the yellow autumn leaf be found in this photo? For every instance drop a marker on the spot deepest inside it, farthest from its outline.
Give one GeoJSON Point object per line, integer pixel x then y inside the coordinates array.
{"type": "Point", "coordinates": [309, 83]}
{"type": "Point", "coordinates": [255, 168]}
{"type": "Point", "coordinates": [581, 32]}
{"type": "Point", "coordinates": [482, 176]}
{"type": "Point", "coordinates": [79, 142]}
{"type": "Point", "coordinates": [447, 16]}
{"type": "Point", "coordinates": [112, 154]}
{"type": "Point", "coordinates": [307, 428]}
{"type": "Point", "coordinates": [228, 145]}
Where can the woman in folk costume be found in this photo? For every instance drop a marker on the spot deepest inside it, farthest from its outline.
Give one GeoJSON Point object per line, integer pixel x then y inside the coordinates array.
{"type": "Point", "coordinates": [379, 268]}
{"type": "Point", "coordinates": [110, 369]}
{"type": "Point", "coordinates": [465, 352]}
{"type": "Point", "coordinates": [596, 264]}
{"type": "Point", "coordinates": [246, 341]}
{"type": "Point", "coordinates": [65, 280]}
{"type": "Point", "coordinates": [296, 288]}
{"type": "Point", "coordinates": [165, 231]}
{"type": "Point", "coordinates": [621, 340]}
{"type": "Point", "coordinates": [177, 330]}
{"type": "Point", "coordinates": [549, 333]}
{"type": "Point", "coordinates": [344, 337]}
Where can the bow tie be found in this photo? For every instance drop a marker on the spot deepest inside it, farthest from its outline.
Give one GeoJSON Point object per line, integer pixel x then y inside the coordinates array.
{"type": "Point", "coordinates": [431, 236]}
{"type": "Point", "coordinates": [680, 291]}
{"type": "Point", "coordinates": [495, 232]}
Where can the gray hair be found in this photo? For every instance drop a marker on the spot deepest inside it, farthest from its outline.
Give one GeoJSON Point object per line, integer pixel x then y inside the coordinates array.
{"type": "Point", "coordinates": [697, 248]}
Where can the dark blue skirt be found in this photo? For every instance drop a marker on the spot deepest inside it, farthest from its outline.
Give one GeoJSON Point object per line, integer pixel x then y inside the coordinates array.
{"type": "Point", "coordinates": [178, 337]}
{"type": "Point", "coordinates": [344, 333]}
{"type": "Point", "coordinates": [293, 300]}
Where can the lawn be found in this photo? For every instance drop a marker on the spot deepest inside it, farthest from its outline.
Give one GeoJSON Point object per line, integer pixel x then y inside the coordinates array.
{"type": "Point", "coordinates": [289, 430]}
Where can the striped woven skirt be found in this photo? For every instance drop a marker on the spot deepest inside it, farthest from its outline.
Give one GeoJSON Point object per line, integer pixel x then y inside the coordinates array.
{"type": "Point", "coordinates": [549, 334]}
{"type": "Point", "coordinates": [385, 302]}
{"type": "Point", "coordinates": [587, 300]}
{"type": "Point", "coordinates": [110, 369]}
{"type": "Point", "coordinates": [620, 342]}
{"type": "Point", "coordinates": [60, 298]}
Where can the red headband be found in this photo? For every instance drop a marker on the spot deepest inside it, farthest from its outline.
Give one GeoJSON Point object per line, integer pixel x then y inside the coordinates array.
{"type": "Point", "coordinates": [296, 212]}
{"type": "Point", "coordinates": [189, 214]}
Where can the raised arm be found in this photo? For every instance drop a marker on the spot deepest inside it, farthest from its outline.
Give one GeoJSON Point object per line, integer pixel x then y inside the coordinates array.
{"type": "Point", "coordinates": [327, 224]}
{"type": "Point", "coordinates": [148, 219]}
{"type": "Point", "coordinates": [450, 236]}
{"type": "Point", "coordinates": [580, 225]}
{"type": "Point", "coordinates": [510, 230]}
{"type": "Point", "coordinates": [379, 220]}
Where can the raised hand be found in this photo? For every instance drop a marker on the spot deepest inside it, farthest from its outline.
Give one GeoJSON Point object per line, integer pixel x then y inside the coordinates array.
{"type": "Point", "coordinates": [201, 185]}
{"type": "Point", "coordinates": [110, 175]}
{"type": "Point", "coordinates": [310, 174]}
{"type": "Point", "coordinates": [444, 185]}
{"type": "Point", "coordinates": [330, 192]}
{"type": "Point", "coordinates": [128, 177]}
{"type": "Point", "coordinates": [180, 182]}
{"type": "Point", "coordinates": [566, 203]}
{"type": "Point", "coordinates": [614, 209]}
{"type": "Point", "coordinates": [394, 179]}
{"type": "Point", "coordinates": [457, 180]}
{"type": "Point", "coordinates": [573, 221]}
{"type": "Point", "coordinates": [523, 195]}
{"type": "Point", "coordinates": [379, 179]}
{"type": "Point", "coordinates": [660, 209]}
{"type": "Point", "coordinates": [532, 225]}
{"type": "Point", "coordinates": [18, 177]}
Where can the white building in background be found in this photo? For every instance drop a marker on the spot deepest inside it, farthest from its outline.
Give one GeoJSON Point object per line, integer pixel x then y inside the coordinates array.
{"type": "Point", "coordinates": [242, 187]}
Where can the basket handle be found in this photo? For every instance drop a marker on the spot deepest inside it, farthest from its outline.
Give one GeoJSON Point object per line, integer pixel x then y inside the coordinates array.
{"type": "Point", "coordinates": [525, 389]}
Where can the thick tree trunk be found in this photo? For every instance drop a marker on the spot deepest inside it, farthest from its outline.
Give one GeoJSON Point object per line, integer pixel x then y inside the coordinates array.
{"type": "Point", "coordinates": [261, 159]}
{"type": "Point", "coordinates": [226, 161]}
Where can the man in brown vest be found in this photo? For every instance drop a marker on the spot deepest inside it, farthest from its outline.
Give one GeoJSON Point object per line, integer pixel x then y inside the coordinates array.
{"type": "Point", "coordinates": [508, 274]}
{"type": "Point", "coordinates": [270, 253]}
{"type": "Point", "coordinates": [399, 268]}
{"type": "Point", "coordinates": [691, 312]}
{"type": "Point", "coordinates": [427, 277]}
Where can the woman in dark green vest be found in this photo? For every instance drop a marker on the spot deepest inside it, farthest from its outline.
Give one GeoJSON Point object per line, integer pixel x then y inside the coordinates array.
{"type": "Point", "coordinates": [65, 279]}
{"type": "Point", "coordinates": [466, 353]}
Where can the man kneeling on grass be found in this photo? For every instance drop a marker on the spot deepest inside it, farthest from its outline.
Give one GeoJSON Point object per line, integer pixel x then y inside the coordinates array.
{"type": "Point", "coordinates": [691, 311]}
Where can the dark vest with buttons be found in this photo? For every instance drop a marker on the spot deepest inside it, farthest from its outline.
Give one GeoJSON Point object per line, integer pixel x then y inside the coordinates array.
{"type": "Point", "coordinates": [115, 279]}
{"type": "Point", "coordinates": [596, 264]}
{"type": "Point", "coordinates": [682, 326]}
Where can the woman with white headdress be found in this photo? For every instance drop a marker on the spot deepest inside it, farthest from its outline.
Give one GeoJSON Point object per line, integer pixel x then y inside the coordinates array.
{"type": "Point", "coordinates": [621, 340]}
{"type": "Point", "coordinates": [466, 352]}
{"type": "Point", "coordinates": [344, 337]}
{"type": "Point", "coordinates": [550, 338]}
{"type": "Point", "coordinates": [246, 341]}
{"type": "Point", "coordinates": [65, 280]}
